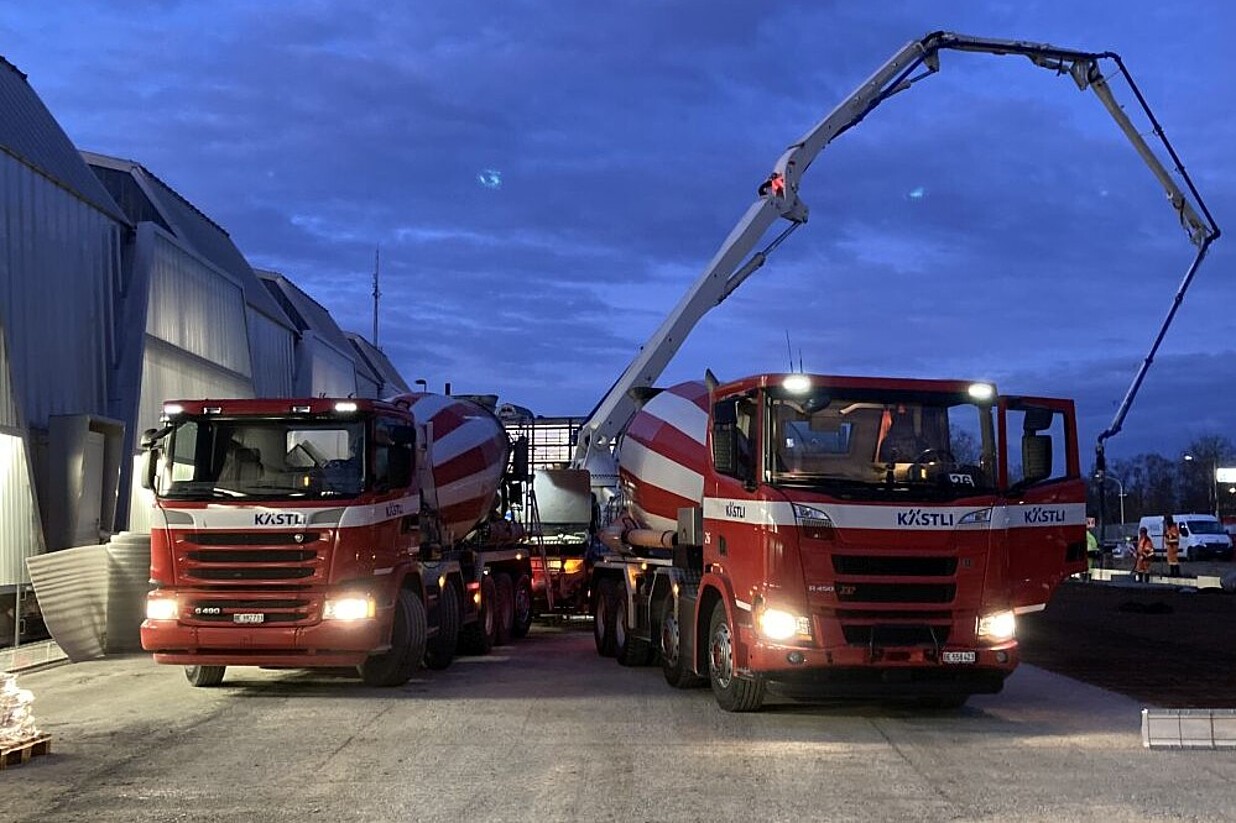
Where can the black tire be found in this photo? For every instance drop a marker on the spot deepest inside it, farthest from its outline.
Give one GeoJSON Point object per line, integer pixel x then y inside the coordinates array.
{"type": "Point", "coordinates": [733, 693]}
{"type": "Point", "coordinates": [523, 607]}
{"type": "Point", "coordinates": [630, 650]}
{"type": "Point", "coordinates": [205, 676]}
{"type": "Point", "coordinates": [677, 673]}
{"type": "Point", "coordinates": [396, 665]}
{"type": "Point", "coordinates": [603, 617]}
{"type": "Point", "coordinates": [505, 615]}
{"type": "Point", "coordinates": [478, 637]}
{"type": "Point", "coordinates": [441, 648]}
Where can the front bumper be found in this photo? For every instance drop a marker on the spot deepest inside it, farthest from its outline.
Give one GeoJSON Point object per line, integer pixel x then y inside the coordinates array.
{"type": "Point", "coordinates": [872, 671]}
{"type": "Point", "coordinates": [325, 644]}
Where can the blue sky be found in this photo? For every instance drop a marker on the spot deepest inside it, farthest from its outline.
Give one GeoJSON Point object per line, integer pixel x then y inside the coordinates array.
{"type": "Point", "coordinates": [991, 223]}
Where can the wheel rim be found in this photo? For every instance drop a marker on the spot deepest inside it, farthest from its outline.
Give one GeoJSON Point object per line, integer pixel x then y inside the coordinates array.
{"type": "Point", "coordinates": [523, 605]}
{"type": "Point", "coordinates": [620, 623]}
{"type": "Point", "coordinates": [598, 620]}
{"type": "Point", "coordinates": [721, 656]}
{"type": "Point", "coordinates": [669, 640]}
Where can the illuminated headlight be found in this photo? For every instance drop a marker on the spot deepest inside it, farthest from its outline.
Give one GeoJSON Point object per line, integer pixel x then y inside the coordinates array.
{"type": "Point", "coordinates": [796, 383]}
{"type": "Point", "coordinates": [776, 624]}
{"type": "Point", "coordinates": [981, 391]}
{"type": "Point", "coordinates": [161, 608]}
{"type": "Point", "coordinates": [349, 608]}
{"type": "Point", "coordinates": [998, 627]}
{"type": "Point", "coordinates": [982, 516]}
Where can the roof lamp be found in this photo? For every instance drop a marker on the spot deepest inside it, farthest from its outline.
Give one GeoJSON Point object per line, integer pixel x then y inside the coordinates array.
{"type": "Point", "coordinates": [345, 406]}
{"type": "Point", "coordinates": [796, 383]}
{"type": "Point", "coordinates": [173, 409]}
{"type": "Point", "coordinates": [981, 391]}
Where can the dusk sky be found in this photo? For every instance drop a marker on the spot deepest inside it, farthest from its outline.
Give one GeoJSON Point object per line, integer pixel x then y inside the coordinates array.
{"type": "Point", "coordinates": [545, 180]}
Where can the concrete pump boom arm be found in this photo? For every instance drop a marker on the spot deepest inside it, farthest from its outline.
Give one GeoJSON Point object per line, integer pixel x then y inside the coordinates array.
{"type": "Point", "coordinates": [778, 198]}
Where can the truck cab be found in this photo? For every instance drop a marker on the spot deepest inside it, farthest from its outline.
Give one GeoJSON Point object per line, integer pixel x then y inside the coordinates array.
{"type": "Point", "coordinates": [865, 536]}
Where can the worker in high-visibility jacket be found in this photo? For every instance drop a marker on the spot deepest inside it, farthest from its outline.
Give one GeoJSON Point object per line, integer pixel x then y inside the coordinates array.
{"type": "Point", "coordinates": [1171, 543]}
{"type": "Point", "coordinates": [1143, 556]}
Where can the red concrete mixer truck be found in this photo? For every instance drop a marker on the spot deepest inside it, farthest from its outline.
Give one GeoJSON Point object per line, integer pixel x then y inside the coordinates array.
{"type": "Point", "coordinates": [331, 533]}
{"type": "Point", "coordinates": [846, 535]}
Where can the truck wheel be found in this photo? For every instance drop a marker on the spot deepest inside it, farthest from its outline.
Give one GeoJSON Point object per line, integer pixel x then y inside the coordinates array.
{"type": "Point", "coordinates": [677, 673]}
{"type": "Point", "coordinates": [733, 693]}
{"type": "Point", "coordinates": [396, 665]}
{"type": "Point", "coordinates": [478, 637]}
{"type": "Point", "coordinates": [441, 648]}
{"type": "Point", "coordinates": [629, 649]}
{"type": "Point", "coordinates": [603, 617]}
{"type": "Point", "coordinates": [504, 617]}
{"type": "Point", "coordinates": [523, 607]}
{"type": "Point", "coordinates": [205, 676]}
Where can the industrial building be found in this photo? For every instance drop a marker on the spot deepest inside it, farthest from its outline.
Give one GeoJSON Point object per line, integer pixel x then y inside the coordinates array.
{"type": "Point", "coordinates": [152, 301]}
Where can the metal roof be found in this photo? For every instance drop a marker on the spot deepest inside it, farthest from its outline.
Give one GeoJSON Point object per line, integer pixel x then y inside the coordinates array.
{"type": "Point", "coordinates": [306, 313]}
{"type": "Point", "coordinates": [190, 225]}
{"type": "Point", "coordinates": [379, 363]}
{"type": "Point", "coordinates": [29, 133]}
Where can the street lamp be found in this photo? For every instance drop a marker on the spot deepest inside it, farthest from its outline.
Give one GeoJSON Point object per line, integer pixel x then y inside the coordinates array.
{"type": "Point", "coordinates": [1212, 495]}
{"type": "Point", "coordinates": [1105, 476]}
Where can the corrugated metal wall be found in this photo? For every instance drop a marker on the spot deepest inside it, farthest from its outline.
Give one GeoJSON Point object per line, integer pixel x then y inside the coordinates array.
{"type": "Point", "coordinates": [271, 346]}
{"type": "Point", "coordinates": [8, 402]}
{"type": "Point", "coordinates": [20, 531]}
{"type": "Point", "coordinates": [196, 309]}
{"type": "Point", "coordinates": [61, 261]}
{"type": "Point", "coordinates": [330, 373]}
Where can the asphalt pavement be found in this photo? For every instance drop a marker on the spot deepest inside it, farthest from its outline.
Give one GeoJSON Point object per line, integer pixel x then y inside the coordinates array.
{"type": "Point", "coordinates": [547, 731]}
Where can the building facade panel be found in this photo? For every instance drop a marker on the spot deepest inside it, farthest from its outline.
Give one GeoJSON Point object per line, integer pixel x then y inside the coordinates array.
{"type": "Point", "coordinates": [271, 346]}
{"type": "Point", "coordinates": [195, 308]}
{"type": "Point", "coordinates": [56, 303]}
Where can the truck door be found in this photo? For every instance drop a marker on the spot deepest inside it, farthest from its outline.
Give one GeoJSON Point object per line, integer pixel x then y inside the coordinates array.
{"type": "Point", "coordinates": [1044, 497]}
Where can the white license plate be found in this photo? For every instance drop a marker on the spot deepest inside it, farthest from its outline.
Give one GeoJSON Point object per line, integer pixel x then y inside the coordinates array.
{"type": "Point", "coordinates": [959, 657]}
{"type": "Point", "coordinates": [253, 617]}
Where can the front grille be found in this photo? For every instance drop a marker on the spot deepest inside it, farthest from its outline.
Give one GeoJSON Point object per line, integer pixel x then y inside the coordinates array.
{"type": "Point", "coordinates": [896, 635]}
{"type": "Point", "coordinates": [234, 558]}
{"type": "Point", "coordinates": [896, 592]}
{"type": "Point", "coordinates": [251, 538]}
{"type": "Point", "coordinates": [251, 573]}
{"type": "Point", "coordinates": [876, 565]}
{"type": "Point", "coordinates": [252, 555]}
{"type": "Point", "coordinates": [892, 614]}
{"type": "Point", "coordinates": [274, 610]}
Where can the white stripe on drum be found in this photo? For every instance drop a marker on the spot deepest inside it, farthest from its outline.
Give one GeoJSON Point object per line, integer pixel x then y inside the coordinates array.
{"type": "Point", "coordinates": [670, 475]}
{"type": "Point", "coordinates": [680, 413]}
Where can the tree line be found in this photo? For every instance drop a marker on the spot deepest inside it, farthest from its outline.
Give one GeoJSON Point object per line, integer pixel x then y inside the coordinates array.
{"type": "Point", "coordinates": [1167, 484]}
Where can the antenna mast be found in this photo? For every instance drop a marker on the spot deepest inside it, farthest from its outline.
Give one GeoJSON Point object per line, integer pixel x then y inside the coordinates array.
{"type": "Point", "coordinates": [376, 294]}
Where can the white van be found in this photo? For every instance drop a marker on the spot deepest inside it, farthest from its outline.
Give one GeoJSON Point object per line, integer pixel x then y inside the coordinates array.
{"type": "Point", "coordinates": [1201, 536]}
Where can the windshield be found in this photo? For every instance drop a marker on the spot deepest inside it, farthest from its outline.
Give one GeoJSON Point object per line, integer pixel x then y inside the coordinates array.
{"type": "Point", "coordinates": [218, 458]}
{"type": "Point", "coordinates": [875, 441]}
{"type": "Point", "coordinates": [1202, 527]}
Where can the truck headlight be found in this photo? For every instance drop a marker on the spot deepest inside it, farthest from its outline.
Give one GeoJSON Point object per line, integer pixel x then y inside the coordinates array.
{"type": "Point", "coordinates": [161, 608]}
{"type": "Point", "coordinates": [998, 627]}
{"type": "Point", "coordinates": [351, 607]}
{"type": "Point", "coordinates": [776, 624]}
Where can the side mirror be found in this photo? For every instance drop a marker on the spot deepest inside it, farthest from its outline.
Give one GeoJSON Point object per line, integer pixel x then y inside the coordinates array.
{"type": "Point", "coordinates": [150, 465]}
{"type": "Point", "coordinates": [519, 460]}
{"type": "Point", "coordinates": [149, 438]}
{"type": "Point", "coordinates": [400, 469]}
{"type": "Point", "coordinates": [1036, 457]}
{"type": "Point", "coordinates": [403, 435]}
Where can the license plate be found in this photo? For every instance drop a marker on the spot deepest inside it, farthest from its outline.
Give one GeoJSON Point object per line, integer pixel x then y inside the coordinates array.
{"type": "Point", "coordinates": [257, 617]}
{"type": "Point", "coordinates": [959, 657]}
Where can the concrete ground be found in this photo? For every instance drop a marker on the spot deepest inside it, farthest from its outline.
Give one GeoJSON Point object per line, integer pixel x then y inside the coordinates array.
{"type": "Point", "coordinates": [545, 730]}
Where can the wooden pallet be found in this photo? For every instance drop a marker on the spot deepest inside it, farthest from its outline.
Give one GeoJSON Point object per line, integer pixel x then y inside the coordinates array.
{"type": "Point", "coordinates": [18, 753]}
